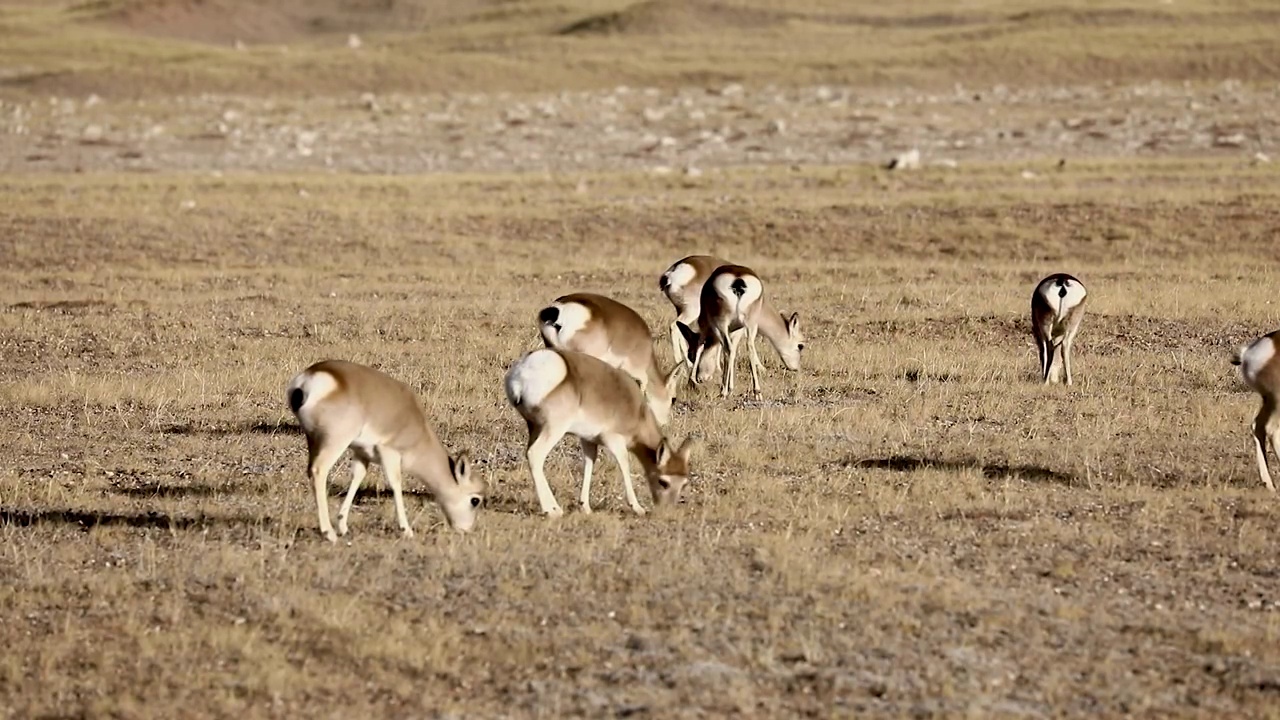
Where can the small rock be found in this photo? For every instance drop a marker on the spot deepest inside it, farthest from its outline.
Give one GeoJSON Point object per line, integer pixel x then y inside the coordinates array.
{"type": "Point", "coordinates": [354, 42]}
{"type": "Point", "coordinates": [92, 100]}
{"type": "Point", "coordinates": [231, 115]}
{"type": "Point", "coordinates": [947, 163]}
{"type": "Point", "coordinates": [906, 161]}
{"type": "Point", "coordinates": [369, 101]}
{"type": "Point", "coordinates": [1028, 175]}
{"type": "Point", "coordinates": [731, 90]}
{"type": "Point", "coordinates": [667, 141]}
{"type": "Point", "coordinates": [1232, 140]}
{"type": "Point", "coordinates": [1261, 157]}
{"type": "Point", "coordinates": [823, 93]}
{"type": "Point", "coordinates": [697, 115]}
{"type": "Point", "coordinates": [92, 134]}
{"type": "Point", "coordinates": [239, 45]}
{"type": "Point", "coordinates": [188, 204]}
{"type": "Point", "coordinates": [692, 171]}
{"type": "Point", "coordinates": [660, 170]}
{"type": "Point", "coordinates": [776, 127]}
{"type": "Point", "coordinates": [653, 115]}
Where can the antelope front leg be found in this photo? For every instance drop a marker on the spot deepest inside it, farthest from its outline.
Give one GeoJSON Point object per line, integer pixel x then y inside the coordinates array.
{"type": "Point", "coordinates": [391, 467]}
{"type": "Point", "coordinates": [589, 450]}
{"type": "Point", "coordinates": [359, 467]}
{"type": "Point", "coordinates": [618, 449]}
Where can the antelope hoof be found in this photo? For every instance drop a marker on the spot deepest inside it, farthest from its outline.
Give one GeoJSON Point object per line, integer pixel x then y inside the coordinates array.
{"type": "Point", "coordinates": [408, 532]}
{"type": "Point", "coordinates": [330, 535]}
{"type": "Point", "coordinates": [554, 511]}
{"type": "Point", "coordinates": [638, 510]}
{"type": "Point", "coordinates": [586, 508]}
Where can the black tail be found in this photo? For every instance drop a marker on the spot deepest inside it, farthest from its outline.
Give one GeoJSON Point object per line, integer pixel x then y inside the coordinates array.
{"type": "Point", "coordinates": [296, 398]}
{"type": "Point", "coordinates": [549, 315]}
{"type": "Point", "coordinates": [739, 287]}
{"type": "Point", "coordinates": [664, 282]}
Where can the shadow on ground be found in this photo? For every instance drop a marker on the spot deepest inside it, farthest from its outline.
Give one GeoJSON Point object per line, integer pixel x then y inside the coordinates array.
{"type": "Point", "coordinates": [148, 519]}
{"type": "Point", "coordinates": [262, 428]}
{"type": "Point", "coordinates": [908, 463]}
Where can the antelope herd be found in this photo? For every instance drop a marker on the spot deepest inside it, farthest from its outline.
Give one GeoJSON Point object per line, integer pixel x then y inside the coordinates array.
{"type": "Point", "coordinates": [597, 378]}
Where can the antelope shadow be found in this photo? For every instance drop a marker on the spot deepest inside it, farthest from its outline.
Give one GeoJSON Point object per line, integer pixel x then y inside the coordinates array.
{"type": "Point", "coordinates": [997, 471]}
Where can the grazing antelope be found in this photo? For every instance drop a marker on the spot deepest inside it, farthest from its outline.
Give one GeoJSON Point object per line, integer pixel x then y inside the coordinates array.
{"type": "Point", "coordinates": [560, 392]}
{"type": "Point", "coordinates": [610, 331]}
{"type": "Point", "coordinates": [682, 284]}
{"type": "Point", "coordinates": [733, 303]}
{"type": "Point", "coordinates": [1057, 307]}
{"type": "Point", "coordinates": [1260, 370]}
{"type": "Point", "coordinates": [344, 405]}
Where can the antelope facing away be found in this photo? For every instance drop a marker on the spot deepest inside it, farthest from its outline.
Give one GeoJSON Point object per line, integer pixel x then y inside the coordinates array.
{"type": "Point", "coordinates": [1260, 370]}
{"type": "Point", "coordinates": [1057, 307]}
{"type": "Point", "coordinates": [344, 405]}
{"type": "Point", "coordinates": [560, 392]}
{"type": "Point", "coordinates": [733, 303]}
{"type": "Point", "coordinates": [610, 331]}
{"type": "Point", "coordinates": [682, 284]}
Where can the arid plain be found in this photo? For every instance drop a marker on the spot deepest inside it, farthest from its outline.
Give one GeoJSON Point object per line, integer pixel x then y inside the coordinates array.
{"type": "Point", "coordinates": [200, 199]}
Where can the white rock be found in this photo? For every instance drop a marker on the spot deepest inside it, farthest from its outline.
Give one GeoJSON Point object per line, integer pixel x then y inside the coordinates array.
{"type": "Point", "coordinates": [654, 115]}
{"type": "Point", "coordinates": [1261, 157]}
{"type": "Point", "coordinates": [92, 134]}
{"type": "Point", "coordinates": [92, 100]}
{"type": "Point", "coordinates": [776, 127]}
{"type": "Point", "coordinates": [353, 41]}
{"type": "Point", "coordinates": [188, 204]}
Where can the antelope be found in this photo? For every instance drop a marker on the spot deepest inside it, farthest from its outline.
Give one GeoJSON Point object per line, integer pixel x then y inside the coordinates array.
{"type": "Point", "coordinates": [1260, 369]}
{"type": "Point", "coordinates": [682, 284]}
{"type": "Point", "coordinates": [1057, 307]}
{"type": "Point", "coordinates": [343, 405]}
{"type": "Point", "coordinates": [733, 302]}
{"type": "Point", "coordinates": [560, 392]}
{"type": "Point", "coordinates": [610, 331]}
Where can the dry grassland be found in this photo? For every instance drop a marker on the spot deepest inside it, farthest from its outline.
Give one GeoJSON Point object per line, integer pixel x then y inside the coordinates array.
{"type": "Point", "coordinates": [909, 526]}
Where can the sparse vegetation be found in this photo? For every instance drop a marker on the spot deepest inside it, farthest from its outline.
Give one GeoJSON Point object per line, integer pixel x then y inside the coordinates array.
{"type": "Point", "coordinates": [911, 525]}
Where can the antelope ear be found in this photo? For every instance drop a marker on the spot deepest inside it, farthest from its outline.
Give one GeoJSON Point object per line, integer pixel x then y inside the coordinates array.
{"type": "Point", "coordinates": [690, 337]}
{"type": "Point", "coordinates": [793, 323]}
{"type": "Point", "coordinates": [664, 452]}
{"type": "Point", "coordinates": [461, 468]}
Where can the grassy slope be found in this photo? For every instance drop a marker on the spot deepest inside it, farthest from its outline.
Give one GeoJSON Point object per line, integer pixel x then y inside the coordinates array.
{"type": "Point", "coordinates": [910, 524]}
{"type": "Point", "coordinates": [147, 48]}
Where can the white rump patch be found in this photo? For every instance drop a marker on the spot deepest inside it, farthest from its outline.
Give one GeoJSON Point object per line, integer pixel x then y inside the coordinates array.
{"type": "Point", "coordinates": [724, 288]}
{"type": "Point", "coordinates": [315, 386]}
{"type": "Point", "coordinates": [573, 317]}
{"type": "Point", "coordinates": [680, 276]}
{"type": "Point", "coordinates": [1255, 358]}
{"type": "Point", "coordinates": [532, 378]}
{"type": "Point", "coordinates": [1061, 304]}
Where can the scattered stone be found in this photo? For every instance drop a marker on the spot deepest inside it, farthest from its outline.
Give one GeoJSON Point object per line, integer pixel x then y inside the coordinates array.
{"type": "Point", "coordinates": [92, 100]}
{"type": "Point", "coordinates": [1261, 158]}
{"type": "Point", "coordinates": [776, 127]}
{"type": "Point", "coordinates": [653, 115]}
{"type": "Point", "coordinates": [92, 135]}
{"type": "Point", "coordinates": [369, 101]}
{"type": "Point", "coordinates": [1232, 140]}
{"type": "Point", "coordinates": [354, 42]}
{"type": "Point", "coordinates": [188, 204]}
{"type": "Point", "coordinates": [660, 170]}
{"type": "Point", "coordinates": [947, 163]}
{"type": "Point", "coordinates": [692, 171]}
{"type": "Point", "coordinates": [906, 161]}
{"type": "Point", "coordinates": [1028, 175]}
